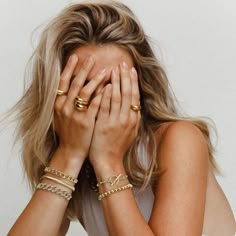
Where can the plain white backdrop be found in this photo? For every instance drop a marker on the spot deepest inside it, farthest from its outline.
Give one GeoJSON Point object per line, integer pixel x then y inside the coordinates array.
{"type": "Point", "coordinates": [196, 42]}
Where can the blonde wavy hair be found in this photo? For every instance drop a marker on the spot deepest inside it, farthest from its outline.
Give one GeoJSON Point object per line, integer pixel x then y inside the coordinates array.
{"type": "Point", "coordinates": [78, 25]}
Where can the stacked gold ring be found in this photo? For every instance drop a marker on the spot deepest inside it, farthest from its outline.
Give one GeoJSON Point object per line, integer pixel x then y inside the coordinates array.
{"type": "Point", "coordinates": [135, 107]}
{"type": "Point", "coordinates": [81, 104]}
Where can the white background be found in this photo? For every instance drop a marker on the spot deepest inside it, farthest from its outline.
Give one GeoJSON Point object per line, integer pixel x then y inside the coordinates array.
{"type": "Point", "coordinates": [197, 40]}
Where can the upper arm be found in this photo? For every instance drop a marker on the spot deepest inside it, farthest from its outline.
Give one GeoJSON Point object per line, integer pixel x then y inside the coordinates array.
{"type": "Point", "coordinates": [180, 192]}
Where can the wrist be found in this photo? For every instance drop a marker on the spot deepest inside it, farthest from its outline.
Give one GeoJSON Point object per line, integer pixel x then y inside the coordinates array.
{"type": "Point", "coordinates": [104, 171]}
{"type": "Point", "coordinates": [67, 161]}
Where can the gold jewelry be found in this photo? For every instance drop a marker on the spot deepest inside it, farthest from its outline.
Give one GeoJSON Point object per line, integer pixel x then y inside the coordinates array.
{"type": "Point", "coordinates": [81, 104]}
{"type": "Point", "coordinates": [60, 92]}
{"type": "Point", "coordinates": [60, 174]}
{"type": "Point", "coordinates": [113, 179]}
{"type": "Point", "coordinates": [58, 181]}
{"type": "Point", "coordinates": [80, 107]}
{"type": "Point", "coordinates": [81, 101]}
{"type": "Point", "coordinates": [54, 189]}
{"type": "Point", "coordinates": [105, 194]}
{"type": "Point", "coordinates": [135, 107]}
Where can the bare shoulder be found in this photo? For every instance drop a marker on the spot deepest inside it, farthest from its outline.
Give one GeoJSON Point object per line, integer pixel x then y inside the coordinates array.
{"type": "Point", "coordinates": [181, 139]}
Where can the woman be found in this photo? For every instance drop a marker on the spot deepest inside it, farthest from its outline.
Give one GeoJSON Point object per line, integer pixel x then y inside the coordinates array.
{"type": "Point", "coordinates": [99, 121]}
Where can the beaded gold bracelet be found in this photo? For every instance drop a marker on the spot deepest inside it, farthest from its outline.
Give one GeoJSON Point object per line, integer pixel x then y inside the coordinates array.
{"type": "Point", "coordinates": [105, 194]}
{"type": "Point", "coordinates": [114, 179]}
{"type": "Point", "coordinates": [60, 174]}
{"type": "Point", "coordinates": [54, 189]}
{"type": "Point", "coordinates": [58, 181]}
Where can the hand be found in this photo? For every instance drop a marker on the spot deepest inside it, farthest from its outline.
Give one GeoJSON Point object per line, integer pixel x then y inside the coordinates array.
{"type": "Point", "coordinates": [117, 124]}
{"type": "Point", "coordinates": [74, 127]}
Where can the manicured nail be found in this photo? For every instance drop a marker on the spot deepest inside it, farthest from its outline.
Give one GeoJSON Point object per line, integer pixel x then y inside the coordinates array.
{"type": "Point", "coordinates": [102, 71]}
{"type": "Point", "coordinates": [125, 66]}
{"type": "Point", "coordinates": [74, 58]}
{"type": "Point", "coordinates": [134, 71]}
{"type": "Point", "coordinates": [90, 60]}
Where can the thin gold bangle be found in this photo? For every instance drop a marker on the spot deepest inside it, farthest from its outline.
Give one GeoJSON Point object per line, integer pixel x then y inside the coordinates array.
{"type": "Point", "coordinates": [58, 181]}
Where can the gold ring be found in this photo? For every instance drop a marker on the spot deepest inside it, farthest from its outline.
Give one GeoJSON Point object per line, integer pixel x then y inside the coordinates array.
{"type": "Point", "coordinates": [60, 92]}
{"type": "Point", "coordinates": [81, 107]}
{"type": "Point", "coordinates": [81, 101]}
{"type": "Point", "coordinates": [135, 107]}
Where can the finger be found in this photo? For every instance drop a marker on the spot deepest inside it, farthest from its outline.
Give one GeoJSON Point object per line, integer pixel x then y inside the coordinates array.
{"type": "Point", "coordinates": [134, 115]}
{"type": "Point", "coordinates": [87, 91]}
{"type": "Point", "coordinates": [116, 96]}
{"type": "Point", "coordinates": [135, 100]}
{"type": "Point", "coordinates": [93, 108]}
{"type": "Point", "coordinates": [135, 97]}
{"type": "Point", "coordinates": [125, 89]}
{"type": "Point", "coordinates": [67, 73]}
{"type": "Point", "coordinates": [104, 110]}
{"type": "Point", "coordinates": [79, 79]}
{"type": "Point", "coordinates": [64, 83]}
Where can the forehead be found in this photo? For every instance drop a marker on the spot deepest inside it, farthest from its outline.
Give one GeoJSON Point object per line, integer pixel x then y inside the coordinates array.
{"type": "Point", "coordinates": [106, 56]}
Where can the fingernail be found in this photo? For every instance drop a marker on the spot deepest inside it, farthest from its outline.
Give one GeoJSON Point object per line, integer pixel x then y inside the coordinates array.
{"type": "Point", "coordinates": [102, 71]}
{"type": "Point", "coordinates": [74, 58]}
{"type": "Point", "coordinates": [134, 71]}
{"type": "Point", "coordinates": [125, 66]}
{"type": "Point", "coordinates": [90, 60]}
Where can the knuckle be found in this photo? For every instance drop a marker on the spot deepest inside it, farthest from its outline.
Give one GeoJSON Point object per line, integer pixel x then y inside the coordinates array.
{"type": "Point", "coordinates": [75, 84]}
{"type": "Point", "coordinates": [85, 93]}
{"type": "Point", "coordinates": [117, 99]}
{"type": "Point", "coordinates": [57, 106]}
{"type": "Point", "coordinates": [133, 122]}
{"type": "Point", "coordinates": [126, 93]}
{"type": "Point", "coordinates": [124, 122]}
{"type": "Point", "coordinates": [136, 96]}
{"type": "Point", "coordinates": [94, 104]}
{"type": "Point", "coordinates": [65, 112]}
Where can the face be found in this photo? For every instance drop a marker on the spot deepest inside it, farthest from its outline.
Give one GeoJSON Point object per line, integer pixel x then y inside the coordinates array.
{"type": "Point", "coordinates": [106, 56]}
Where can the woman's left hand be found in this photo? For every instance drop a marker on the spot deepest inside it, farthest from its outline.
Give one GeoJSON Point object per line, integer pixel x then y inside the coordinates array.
{"type": "Point", "coordinates": [117, 124]}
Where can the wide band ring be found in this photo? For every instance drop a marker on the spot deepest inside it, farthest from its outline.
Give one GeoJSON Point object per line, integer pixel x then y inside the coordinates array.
{"type": "Point", "coordinates": [135, 107]}
{"type": "Point", "coordinates": [81, 107]}
{"type": "Point", "coordinates": [81, 101]}
{"type": "Point", "coordinates": [60, 92]}
{"type": "Point", "coordinates": [81, 104]}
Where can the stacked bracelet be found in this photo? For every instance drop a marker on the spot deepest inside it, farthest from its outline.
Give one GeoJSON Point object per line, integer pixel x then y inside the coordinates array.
{"type": "Point", "coordinates": [45, 186]}
{"type": "Point", "coordinates": [58, 181]}
{"type": "Point", "coordinates": [101, 196]}
{"type": "Point", "coordinates": [60, 174]}
{"type": "Point", "coordinates": [55, 190]}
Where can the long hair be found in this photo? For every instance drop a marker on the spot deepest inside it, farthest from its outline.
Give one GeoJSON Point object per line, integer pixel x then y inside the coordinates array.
{"type": "Point", "coordinates": [79, 25]}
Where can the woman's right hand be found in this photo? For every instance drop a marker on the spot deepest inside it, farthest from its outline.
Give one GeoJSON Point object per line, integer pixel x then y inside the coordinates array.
{"type": "Point", "coordinates": [74, 127]}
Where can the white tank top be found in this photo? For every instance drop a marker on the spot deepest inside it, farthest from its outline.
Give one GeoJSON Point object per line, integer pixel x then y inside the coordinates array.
{"type": "Point", "coordinates": [92, 212]}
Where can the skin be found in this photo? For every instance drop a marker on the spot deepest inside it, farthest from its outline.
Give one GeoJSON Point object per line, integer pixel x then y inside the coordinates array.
{"type": "Point", "coordinates": [180, 195]}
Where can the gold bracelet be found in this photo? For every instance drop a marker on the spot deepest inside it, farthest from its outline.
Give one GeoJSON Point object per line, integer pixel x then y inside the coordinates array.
{"type": "Point", "coordinates": [113, 179]}
{"type": "Point", "coordinates": [105, 194]}
{"type": "Point", "coordinates": [60, 174]}
{"type": "Point", "coordinates": [58, 181]}
{"type": "Point", "coordinates": [54, 189]}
